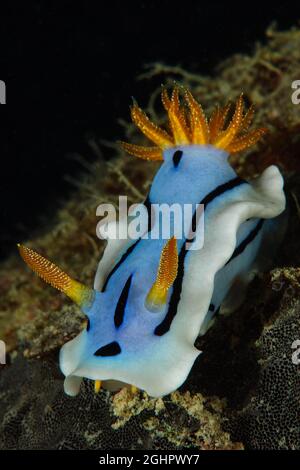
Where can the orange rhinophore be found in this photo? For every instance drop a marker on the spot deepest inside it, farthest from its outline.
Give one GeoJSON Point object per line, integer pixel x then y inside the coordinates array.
{"type": "Point", "coordinates": [166, 275]}
{"type": "Point", "coordinates": [189, 125]}
{"type": "Point", "coordinates": [57, 278]}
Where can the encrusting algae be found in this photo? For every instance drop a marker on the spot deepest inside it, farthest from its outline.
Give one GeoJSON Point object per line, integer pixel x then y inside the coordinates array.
{"type": "Point", "coordinates": [34, 323]}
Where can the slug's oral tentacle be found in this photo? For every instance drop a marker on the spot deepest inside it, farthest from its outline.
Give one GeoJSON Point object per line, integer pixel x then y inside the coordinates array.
{"type": "Point", "coordinates": [57, 278]}
{"type": "Point", "coordinates": [166, 275]}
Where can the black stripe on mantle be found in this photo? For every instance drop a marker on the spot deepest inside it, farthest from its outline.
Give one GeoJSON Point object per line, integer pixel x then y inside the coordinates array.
{"type": "Point", "coordinates": [165, 325]}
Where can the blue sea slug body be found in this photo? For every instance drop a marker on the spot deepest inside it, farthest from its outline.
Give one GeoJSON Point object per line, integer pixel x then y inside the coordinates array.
{"type": "Point", "coordinates": [153, 297]}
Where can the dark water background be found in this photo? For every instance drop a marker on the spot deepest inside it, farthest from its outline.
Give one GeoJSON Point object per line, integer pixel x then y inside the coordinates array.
{"type": "Point", "coordinates": [70, 71]}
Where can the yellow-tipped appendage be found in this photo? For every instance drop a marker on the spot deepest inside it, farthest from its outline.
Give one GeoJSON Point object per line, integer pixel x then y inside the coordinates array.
{"type": "Point", "coordinates": [166, 275]}
{"type": "Point", "coordinates": [188, 125]}
{"type": "Point", "coordinates": [97, 386]}
{"type": "Point", "coordinates": [54, 276]}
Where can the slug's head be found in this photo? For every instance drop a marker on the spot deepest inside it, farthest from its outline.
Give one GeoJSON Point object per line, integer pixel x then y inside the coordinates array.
{"type": "Point", "coordinates": [188, 125]}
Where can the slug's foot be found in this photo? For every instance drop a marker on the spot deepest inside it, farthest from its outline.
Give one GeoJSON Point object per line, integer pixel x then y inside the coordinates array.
{"type": "Point", "coordinates": [237, 293]}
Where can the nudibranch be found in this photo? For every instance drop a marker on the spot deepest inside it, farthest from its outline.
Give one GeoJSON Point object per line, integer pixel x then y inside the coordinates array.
{"type": "Point", "coordinates": [153, 297]}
